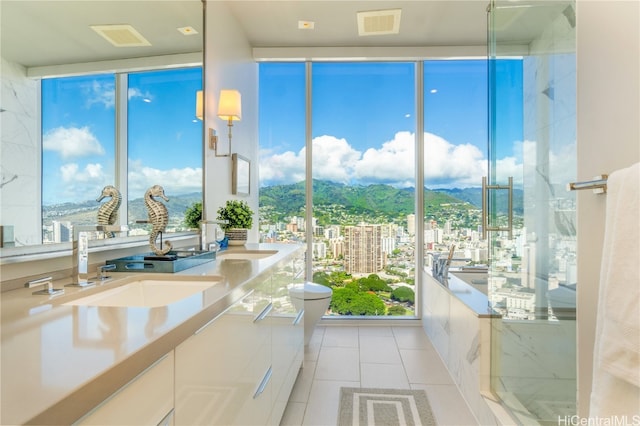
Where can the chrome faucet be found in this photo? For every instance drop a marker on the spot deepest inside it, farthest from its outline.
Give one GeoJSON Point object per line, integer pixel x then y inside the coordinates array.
{"type": "Point", "coordinates": [80, 252]}
{"type": "Point", "coordinates": [203, 233]}
{"type": "Point", "coordinates": [47, 286]}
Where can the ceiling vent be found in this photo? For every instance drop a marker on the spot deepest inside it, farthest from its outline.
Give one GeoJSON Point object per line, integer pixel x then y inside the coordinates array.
{"type": "Point", "coordinates": [379, 22]}
{"type": "Point", "coordinates": [121, 35]}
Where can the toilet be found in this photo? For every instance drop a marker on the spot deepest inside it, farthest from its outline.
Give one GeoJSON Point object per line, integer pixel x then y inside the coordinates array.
{"type": "Point", "coordinates": [315, 300]}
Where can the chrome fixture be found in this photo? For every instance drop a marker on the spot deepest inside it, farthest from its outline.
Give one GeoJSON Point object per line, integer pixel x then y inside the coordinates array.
{"type": "Point", "coordinates": [102, 271]}
{"type": "Point", "coordinates": [204, 245]}
{"type": "Point", "coordinates": [80, 251]}
{"type": "Point", "coordinates": [485, 205]}
{"type": "Point", "coordinates": [47, 286]}
{"type": "Point", "coordinates": [598, 184]}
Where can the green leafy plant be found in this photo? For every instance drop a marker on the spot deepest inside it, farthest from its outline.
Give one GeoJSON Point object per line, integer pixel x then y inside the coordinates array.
{"type": "Point", "coordinates": [193, 215]}
{"type": "Point", "coordinates": [237, 214]}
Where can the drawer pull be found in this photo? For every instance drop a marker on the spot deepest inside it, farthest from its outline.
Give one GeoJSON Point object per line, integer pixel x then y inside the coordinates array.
{"type": "Point", "coordinates": [263, 383]}
{"type": "Point", "coordinates": [298, 317]}
{"type": "Point", "coordinates": [264, 313]}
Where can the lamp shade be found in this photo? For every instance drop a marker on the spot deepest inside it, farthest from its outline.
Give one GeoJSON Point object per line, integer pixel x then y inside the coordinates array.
{"type": "Point", "coordinates": [199, 113]}
{"type": "Point", "coordinates": [230, 105]}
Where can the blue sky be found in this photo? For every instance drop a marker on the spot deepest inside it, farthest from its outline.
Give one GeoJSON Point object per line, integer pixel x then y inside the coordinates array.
{"type": "Point", "coordinates": [78, 125]}
{"type": "Point", "coordinates": [364, 121]}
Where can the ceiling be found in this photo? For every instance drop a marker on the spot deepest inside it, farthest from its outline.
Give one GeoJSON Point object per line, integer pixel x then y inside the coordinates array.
{"type": "Point", "coordinates": [53, 32]}
{"type": "Point", "coordinates": [423, 23]}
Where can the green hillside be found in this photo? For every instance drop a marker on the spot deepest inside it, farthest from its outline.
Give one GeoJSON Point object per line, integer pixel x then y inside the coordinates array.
{"type": "Point", "coordinates": [86, 212]}
{"type": "Point", "coordinates": [333, 200]}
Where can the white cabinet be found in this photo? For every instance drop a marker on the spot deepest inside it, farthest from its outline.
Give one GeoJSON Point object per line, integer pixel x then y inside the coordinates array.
{"type": "Point", "coordinates": [287, 335]}
{"type": "Point", "coordinates": [239, 369]}
{"type": "Point", "coordinates": [146, 400]}
{"type": "Point", "coordinates": [222, 371]}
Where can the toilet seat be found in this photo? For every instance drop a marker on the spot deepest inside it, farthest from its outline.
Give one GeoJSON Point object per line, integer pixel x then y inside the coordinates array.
{"type": "Point", "coordinates": [312, 291]}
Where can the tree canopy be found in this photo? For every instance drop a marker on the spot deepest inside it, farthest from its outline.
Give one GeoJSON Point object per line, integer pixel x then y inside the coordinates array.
{"type": "Point", "coordinates": [403, 294]}
{"type": "Point", "coordinates": [347, 301]}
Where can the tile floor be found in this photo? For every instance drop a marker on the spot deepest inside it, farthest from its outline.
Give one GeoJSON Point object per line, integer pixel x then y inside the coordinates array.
{"type": "Point", "coordinates": [371, 356]}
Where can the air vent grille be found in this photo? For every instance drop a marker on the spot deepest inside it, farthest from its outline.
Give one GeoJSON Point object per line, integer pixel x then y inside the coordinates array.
{"type": "Point", "coordinates": [379, 22]}
{"type": "Point", "coordinates": [121, 35]}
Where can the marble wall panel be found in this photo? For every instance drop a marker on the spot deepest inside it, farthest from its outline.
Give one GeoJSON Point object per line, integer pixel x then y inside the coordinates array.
{"type": "Point", "coordinates": [20, 159]}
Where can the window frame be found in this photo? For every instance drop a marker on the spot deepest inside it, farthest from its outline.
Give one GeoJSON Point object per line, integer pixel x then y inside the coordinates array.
{"type": "Point", "coordinates": [121, 135]}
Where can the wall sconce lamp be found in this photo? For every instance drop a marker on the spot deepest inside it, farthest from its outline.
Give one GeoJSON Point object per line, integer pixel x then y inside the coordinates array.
{"type": "Point", "coordinates": [230, 109]}
{"type": "Point", "coordinates": [199, 105]}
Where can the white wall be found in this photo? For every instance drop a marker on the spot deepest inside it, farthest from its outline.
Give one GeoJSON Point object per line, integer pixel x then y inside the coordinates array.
{"type": "Point", "coordinates": [608, 134]}
{"type": "Point", "coordinates": [229, 64]}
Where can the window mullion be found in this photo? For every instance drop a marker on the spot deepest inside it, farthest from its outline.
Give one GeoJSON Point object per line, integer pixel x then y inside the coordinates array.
{"type": "Point", "coordinates": [121, 150]}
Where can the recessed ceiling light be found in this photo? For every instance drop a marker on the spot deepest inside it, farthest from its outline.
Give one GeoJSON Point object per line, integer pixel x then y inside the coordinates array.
{"type": "Point", "coordinates": [379, 22]}
{"type": "Point", "coordinates": [188, 31]}
{"type": "Point", "coordinates": [121, 35]}
{"type": "Point", "coordinates": [306, 25]}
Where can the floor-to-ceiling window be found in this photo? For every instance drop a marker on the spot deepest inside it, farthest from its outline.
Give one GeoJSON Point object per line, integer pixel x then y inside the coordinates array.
{"type": "Point", "coordinates": [455, 160]}
{"type": "Point", "coordinates": [82, 138]}
{"type": "Point", "coordinates": [362, 136]}
{"type": "Point", "coordinates": [78, 150]}
{"type": "Point", "coordinates": [164, 141]}
{"type": "Point", "coordinates": [363, 170]}
{"type": "Point", "coordinates": [362, 142]}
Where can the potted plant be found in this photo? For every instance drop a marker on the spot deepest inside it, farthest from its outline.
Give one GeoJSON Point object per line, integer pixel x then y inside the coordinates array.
{"type": "Point", "coordinates": [193, 215]}
{"type": "Point", "coordinates": [238, 218]}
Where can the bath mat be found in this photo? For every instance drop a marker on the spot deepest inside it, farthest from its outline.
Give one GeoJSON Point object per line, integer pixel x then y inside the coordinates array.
{"type": "Point", "coordinates": [384, 407]}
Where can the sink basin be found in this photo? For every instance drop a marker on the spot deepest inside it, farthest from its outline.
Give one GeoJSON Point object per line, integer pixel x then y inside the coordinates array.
{"type": "Point", "coordinates": [245, 254]}
{"type": "Point", "coordinates": [147, 293]}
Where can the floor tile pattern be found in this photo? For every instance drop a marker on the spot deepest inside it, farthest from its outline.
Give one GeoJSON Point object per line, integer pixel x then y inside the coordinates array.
{"type": "Point", "coordinates": [398, 357]}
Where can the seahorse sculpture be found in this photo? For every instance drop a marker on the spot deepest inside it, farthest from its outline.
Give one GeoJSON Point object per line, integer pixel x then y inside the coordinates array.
{"type": "Point", "coordinates": [158, 217]}
{"type": "Point", "coordinates": [108, 212]}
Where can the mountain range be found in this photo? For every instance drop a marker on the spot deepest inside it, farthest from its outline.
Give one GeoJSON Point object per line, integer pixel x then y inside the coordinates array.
{"type": "Point", "coordinates": [280, 201]}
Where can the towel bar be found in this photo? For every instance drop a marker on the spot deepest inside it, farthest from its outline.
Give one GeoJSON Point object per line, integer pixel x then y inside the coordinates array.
{"type": "Point", "coordinates": [598, 184]}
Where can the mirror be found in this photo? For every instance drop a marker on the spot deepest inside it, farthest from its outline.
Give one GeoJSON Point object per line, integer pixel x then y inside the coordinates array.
{"type": "Point", "coordinates": [47, 39]}
{"type": "Point", "coordinates": [241, 175]}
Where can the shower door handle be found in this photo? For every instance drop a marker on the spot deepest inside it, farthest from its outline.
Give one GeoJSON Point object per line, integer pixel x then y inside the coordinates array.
{"type": "Point", "coordinates": [485, 207]}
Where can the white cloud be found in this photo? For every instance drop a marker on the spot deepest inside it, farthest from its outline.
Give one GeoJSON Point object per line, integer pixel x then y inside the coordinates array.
{"type": "Point", "coordinates": [99, 92]}
{"type": "Point", "coordinates": [174, 181]}
{"type": "Point", "coordinates": [134, 92]}
{"type": "Point", "coordinates": [446, 164]}
{"type": "Point", "coordinates": [334, 159]}
{"type": "Point", "coordinates": [72, 142]}
{"type": "Point", "coordinates": [92, 173]}
{"type": "Point", "coordinates": [449, 165]}
{"type": "Point", "coordinates": [393, 162]}
{"type": "Point", "coordinates": [287, 167]}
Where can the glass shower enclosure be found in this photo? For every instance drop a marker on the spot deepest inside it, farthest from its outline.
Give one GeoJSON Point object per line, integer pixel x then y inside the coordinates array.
{"type": "Point", "coordinates": [530, 217]}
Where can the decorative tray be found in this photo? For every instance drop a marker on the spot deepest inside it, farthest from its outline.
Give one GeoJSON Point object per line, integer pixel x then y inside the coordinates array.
{"type": "Point", "coordinates": [174, 261]}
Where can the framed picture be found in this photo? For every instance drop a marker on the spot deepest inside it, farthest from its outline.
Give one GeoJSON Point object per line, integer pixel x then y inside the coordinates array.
{"type": "Point", "coordinates": [241, 175]}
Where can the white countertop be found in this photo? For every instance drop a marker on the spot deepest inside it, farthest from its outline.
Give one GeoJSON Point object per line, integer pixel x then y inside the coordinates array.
{"type": "Point", "coordinates": [59, 361]}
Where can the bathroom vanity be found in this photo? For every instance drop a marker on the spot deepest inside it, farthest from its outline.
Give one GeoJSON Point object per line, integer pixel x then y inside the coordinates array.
{"type": "Point", "coordinates": [220, 343]}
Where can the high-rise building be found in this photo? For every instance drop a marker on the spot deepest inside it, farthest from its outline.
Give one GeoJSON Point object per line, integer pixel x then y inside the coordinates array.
{"type": "Point", "coordinates": [363, 249]}
{"type": "Point", "coordinates": [411, 224]}
{"type": "Point", "coordinates": [61, 231]}
{"type": "Point", "coordinates": [319, 250]}
{"type": "Point", "coordinates": [337, 247]}
{"type": "Point", "coordinates": [388, 244]}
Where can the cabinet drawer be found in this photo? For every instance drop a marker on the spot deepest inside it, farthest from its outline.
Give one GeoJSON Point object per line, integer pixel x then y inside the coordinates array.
{"type": "Point", "coordinates": [146, 400]}
{"type": "Point", "coordinates": [219, 369]}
